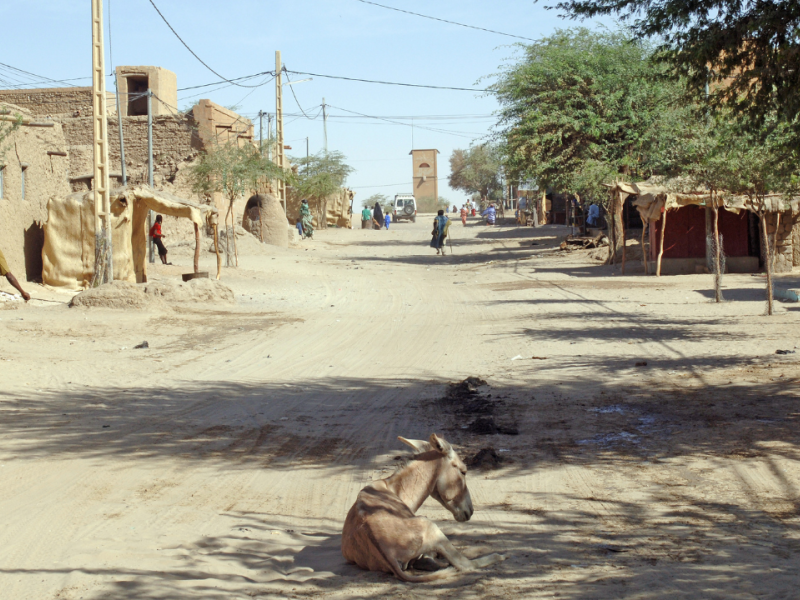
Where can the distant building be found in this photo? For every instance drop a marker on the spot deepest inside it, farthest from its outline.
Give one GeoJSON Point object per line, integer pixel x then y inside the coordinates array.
{"type": "Point", "coordinates": [425, 173]}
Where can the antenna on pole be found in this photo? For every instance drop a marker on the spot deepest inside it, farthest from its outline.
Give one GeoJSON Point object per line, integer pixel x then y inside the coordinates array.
{"type": "Point", "coordinates": [103, 253]}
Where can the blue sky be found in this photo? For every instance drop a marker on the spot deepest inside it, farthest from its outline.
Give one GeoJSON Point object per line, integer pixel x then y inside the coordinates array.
{"type": "Point", "coordinates": [337, 37]}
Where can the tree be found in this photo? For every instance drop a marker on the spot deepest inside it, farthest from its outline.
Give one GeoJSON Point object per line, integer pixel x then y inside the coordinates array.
{"type": "Point", "coordinates": [381, 199]}
{"type": "Point", "coordinates": [477, 170]}
{"type": "Point", "coordinates": [746, 51]}
{"type": "Point", "coordinates": [317, 177]}
{"type": "Point", "coordinates": [233, 171]}
{"type": "Point", "coordinates": [581, 108]}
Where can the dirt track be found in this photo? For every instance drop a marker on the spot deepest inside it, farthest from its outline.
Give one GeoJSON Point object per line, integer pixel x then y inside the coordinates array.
{"type": "Point", "coordinates": [221, 461]}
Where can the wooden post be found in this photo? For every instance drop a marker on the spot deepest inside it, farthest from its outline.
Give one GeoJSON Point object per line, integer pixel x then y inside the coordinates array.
{"type": "Point", "coordinates": [280, 157]}
{"type": "Point", "coordinates": [717, 255]}
{"type": "Point", "coordinates": [644, 254]}
{"type": "Point", "coordinates": [233, 227]}
{"type": "Point", "coordinates": [661, 241]}
{"type": "Point", "coordinates": [196, 248]}
{"type": "Point", "coordinates": [216, 249]}
{"type": "Point", "coordinates": [767, 261]}
{"type": "Point", "coordinates": [775, 237]}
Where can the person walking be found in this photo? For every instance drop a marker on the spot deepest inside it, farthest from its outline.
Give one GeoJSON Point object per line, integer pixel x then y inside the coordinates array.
{"type": "Point", "coordinates": [306, 218]}
{"type": "Point", "coordinates": [464, 215]}
{"type": "Point", "coordinates": [377, 216]}
{"type": "Point", "coordinates": [6, 272]}
{"type": "Point", "coordinates": [157, 235]}
{"type": "Point", "coordinates": [366, 217]}
{"type": "Point", "coordinates": [440, 226]}
{"type": "Point", "coordinates": [387, 219]}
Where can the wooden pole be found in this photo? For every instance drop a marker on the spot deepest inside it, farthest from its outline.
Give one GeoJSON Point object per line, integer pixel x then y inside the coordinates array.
{"type": "Point", "coordinates": [717, 254]}
{"type": "Point", "coordinates": [644, 253]}
{"type": "Point", "coordinates": [775, 238]}
{"type": "Point", "coordinates": [661, 241]}
{"type": "Point", "coordinates": [216, 249]}
{"type": "Point", "coordinates": [281, 162]}
{"type": "Point", "coordinates": [104, 265]}
{"type": "Point", "coordinates": [767, 261]}
{"type": "Point", "coordinates": [196, 248]}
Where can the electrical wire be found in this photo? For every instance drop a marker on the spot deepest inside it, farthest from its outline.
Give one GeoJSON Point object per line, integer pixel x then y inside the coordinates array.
{"type": "Point", "coordinates": [408, 12]}
{"type": "Point", "coordinates": [44, 79]}
{"type": "Point", "coordinates": [204, 85]}
{"type": "Point", "coordinates": [291, 87]}
{"type": "Point", "coordinates": [362, 187]}
{"type": "Point", "coordinates": [413, 85]}
{"type": "Point", "coordinates": [459, 134]}
{"type": "Point", "coordinates": [193, 53]}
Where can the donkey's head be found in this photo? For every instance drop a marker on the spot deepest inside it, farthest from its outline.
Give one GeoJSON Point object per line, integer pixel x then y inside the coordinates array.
{"type": "Point", "coordinates": [450, 486]}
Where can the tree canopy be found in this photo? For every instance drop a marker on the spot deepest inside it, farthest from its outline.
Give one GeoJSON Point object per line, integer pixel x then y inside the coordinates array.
{"type": "Point", "coordinates": [233, 171]}
{"type": "Point", "coordinates": [581, 107]}
{"type": "Point", "coordinates": [747, 51]}
{"type": "Point", "coordinates": [320, 175]}
{"type": "Point", "coordinates": [476, 170]}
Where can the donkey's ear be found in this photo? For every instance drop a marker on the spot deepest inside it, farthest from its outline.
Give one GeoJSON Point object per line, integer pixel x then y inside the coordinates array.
{"type": "Point", "coordinates": [440, 444]}
{"type": "Point", "coordinates": [418, 445]}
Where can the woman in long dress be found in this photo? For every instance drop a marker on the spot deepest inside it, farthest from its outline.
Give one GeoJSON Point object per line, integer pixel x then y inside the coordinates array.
{"type": "Point", "coordinates": [306, 218]}
{"type": "Point", "coordinates": [440, 226]}
{"type": "Point", "coordinates": [377, 215]}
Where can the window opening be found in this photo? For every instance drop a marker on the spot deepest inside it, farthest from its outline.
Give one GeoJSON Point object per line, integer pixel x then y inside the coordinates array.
{"type": "Point", "coordinates": [137, 103]}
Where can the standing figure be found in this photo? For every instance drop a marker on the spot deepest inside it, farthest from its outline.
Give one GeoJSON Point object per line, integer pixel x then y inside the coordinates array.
{"type": "Point", "coordinates": [387, 219]}
{"type": "Point", "coordinates": [155, 233]}
{"type": "Point", "coordinates": [5, 272]}
{"type": "Point", "coordinates": [366, 217]}
{"type": "Point", "coordinates": [464, 215]}
{"type": "Point", "coordinates": [377, 216]}
{"type": "Point", "coordinates": [305, 217]}
{"type": "Point", "coordinates": [440, 226]}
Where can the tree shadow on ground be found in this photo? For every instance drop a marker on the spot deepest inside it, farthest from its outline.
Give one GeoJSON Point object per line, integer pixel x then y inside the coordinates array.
{"type": "Point", "coordinates": [683, 538]}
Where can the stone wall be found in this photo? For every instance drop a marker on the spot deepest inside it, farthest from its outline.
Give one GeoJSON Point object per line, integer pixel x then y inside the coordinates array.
{"type": "Point", "coordinates": [72, 101]}
{"type": "Point", "coordinates": [41, 151]}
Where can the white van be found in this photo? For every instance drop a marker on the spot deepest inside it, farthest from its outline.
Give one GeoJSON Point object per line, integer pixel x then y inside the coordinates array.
{"type": "Point", "coordinates": [405, 207]}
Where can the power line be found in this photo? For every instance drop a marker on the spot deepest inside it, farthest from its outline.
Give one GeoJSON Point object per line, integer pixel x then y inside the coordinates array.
{"type": "Point", "coordinates": [362, 187]}
{"type": "Point", "coordinates": [408, 12]}
{"type": "Point", "coordinates": [47, 79]}
{"type": "Point", "coordinates": [163, 18]}
{"type": "Point", "coordinates": [204, 85]}
{"type": "Point", "coordinates": [291, 87]}
{"type": "Point", "coordinates": [414, 85]}
{"type": "Point", "coordinates": [459, 134]}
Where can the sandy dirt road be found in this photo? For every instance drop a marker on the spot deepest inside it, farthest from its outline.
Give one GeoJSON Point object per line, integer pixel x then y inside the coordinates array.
{"type": "Point", "coordinates": [220, 462]}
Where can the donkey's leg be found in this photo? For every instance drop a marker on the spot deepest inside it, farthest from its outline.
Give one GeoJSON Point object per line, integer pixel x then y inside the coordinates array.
{"type": "Point", "coordinates": [436, 541]}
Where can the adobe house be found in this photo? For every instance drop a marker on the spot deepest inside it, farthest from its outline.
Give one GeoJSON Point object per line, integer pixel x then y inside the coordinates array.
{"type": "Point", "coordinates": [33, 168]}
{"type": "Point", "coordinates": [425, 173]}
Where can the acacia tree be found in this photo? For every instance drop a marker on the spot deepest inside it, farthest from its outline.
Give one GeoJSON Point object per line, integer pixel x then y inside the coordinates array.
{"type": "Point", "coordinates": [477, 170]}
{"type": "Point", "coordinates": [232, 171]}
{"type": "Point", "coordinates": [745, 51]}
{"type": "Point", "coordinates": [317, 177]}
{"type": "Point", "coordinates": [581, 108]}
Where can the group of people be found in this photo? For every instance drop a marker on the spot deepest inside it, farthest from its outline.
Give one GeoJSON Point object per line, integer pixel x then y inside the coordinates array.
{"type": "Point", "coordinates": [374, 218]}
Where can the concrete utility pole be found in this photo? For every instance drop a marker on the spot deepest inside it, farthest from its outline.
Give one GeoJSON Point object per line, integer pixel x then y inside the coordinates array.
{"type": "Point", "coordinates": [269, 135]}
{"type": "Point", "coordinates": [325, 124]}
{"type": "Point", "coordinates": [151, 245]}
{"type": "Point", "coordinates": [104, 256]}
{"type": "Point", "coordinates": [280, 158]}
{"type": "Point", "coordinates": [121, 141]}
{"type": "Point", "coordinates": [261, 131]}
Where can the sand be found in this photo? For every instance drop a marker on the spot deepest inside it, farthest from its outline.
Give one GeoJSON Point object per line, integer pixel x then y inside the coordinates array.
{"type": "Point", "coordinates": [220, 461]}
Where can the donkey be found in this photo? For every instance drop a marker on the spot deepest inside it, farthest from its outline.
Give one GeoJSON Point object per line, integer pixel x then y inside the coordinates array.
{"type": "Point", "coordinates": [381, 532]}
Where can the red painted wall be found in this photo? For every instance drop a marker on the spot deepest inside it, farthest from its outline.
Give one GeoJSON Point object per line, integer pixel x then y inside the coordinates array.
{"type": "Point", "coordinates": [685, 236]}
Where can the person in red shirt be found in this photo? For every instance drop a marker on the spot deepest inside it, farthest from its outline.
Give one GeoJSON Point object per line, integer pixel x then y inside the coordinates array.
{"type": "Point", "coordinates": [155, 233]}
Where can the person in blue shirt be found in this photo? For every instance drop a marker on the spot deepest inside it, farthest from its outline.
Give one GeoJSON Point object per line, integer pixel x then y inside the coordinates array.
{"type": "Point", "coordinates": [593, 218]}
{"type": "Point", "coordinates": [387, 219]}
{"type": "Point", "coordinates": [490, 214]}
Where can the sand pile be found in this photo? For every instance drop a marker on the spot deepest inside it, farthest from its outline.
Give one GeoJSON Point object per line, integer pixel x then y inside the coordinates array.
{"type": "Point", "coordinates": [154, 295]}
{"type": "Point", "coordinates": [246, 243]}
